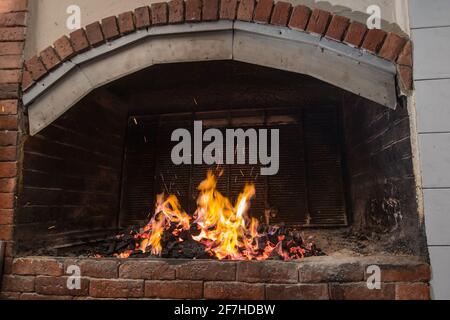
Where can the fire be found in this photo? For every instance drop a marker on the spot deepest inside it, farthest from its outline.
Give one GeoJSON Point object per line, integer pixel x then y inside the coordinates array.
{"type": "Point", "coordinates": [224, 229]}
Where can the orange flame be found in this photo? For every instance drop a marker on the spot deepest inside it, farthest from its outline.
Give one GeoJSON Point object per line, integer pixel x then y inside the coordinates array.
{"type": "Point", "coordinates": [226, 230]}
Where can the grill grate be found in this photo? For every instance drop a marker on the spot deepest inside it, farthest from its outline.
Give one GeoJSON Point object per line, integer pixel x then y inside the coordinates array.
{"type": "Point", "coordinates": [307, 191]}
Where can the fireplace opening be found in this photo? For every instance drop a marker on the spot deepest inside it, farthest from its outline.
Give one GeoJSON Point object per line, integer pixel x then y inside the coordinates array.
{"type": "Point", "coordinates": [306, 191]}
{"type": "Point", "coordinates": [345, 178]}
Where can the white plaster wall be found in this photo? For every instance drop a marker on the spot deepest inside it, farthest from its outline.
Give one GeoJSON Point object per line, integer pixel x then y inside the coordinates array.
{"type": "Point", "coordinates": [430, 29]}
{"type": "Point", "coordinates": [48, 17]}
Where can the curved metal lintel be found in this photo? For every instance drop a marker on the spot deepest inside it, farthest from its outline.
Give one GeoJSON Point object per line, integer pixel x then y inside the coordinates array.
{"type": "Point", "coordinates": [349, 68]}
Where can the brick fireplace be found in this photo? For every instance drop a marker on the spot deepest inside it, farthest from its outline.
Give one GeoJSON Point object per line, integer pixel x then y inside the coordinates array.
{"type": "Point", "coordinates": [90, 162]}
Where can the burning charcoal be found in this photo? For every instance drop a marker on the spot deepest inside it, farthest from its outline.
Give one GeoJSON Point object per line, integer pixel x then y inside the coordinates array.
{"type": "Point", "coordinates": [194, 230]}
{"type": "Point", "coordinates": [171, 231]}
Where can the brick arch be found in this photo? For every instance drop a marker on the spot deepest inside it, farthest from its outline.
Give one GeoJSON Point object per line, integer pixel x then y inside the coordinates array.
{"type": "Point", "coordinates": [387, 57]}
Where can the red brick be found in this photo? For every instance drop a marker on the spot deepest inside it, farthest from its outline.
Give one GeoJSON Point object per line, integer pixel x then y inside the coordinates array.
{"type": "Point", "coordinates": [299, 17]}
{"type": "Point", "coordinates": [8, 138]}
{"type": "Point", "coordinates": [142, 16]}
{"type": "Point", "coordinates": [176, 11]}
{"type": "Point", "coordinates": [267, 271]}
{"type": "Point", "coordinates": [210, 10]}
{"type": "Point", "coordinates": [406, 58]}
{"type": "Point", "coordinates": [11, 62]}
{"type": "Point", "coordinates": [297, 292]}
{"type": "Point", "coordinates": [233, 290]}
{"type": "Point", "coordinates": [193, 10]}
{"type": "Point", "coordinates": [404, 272]}
{"type": "Point", "coordinates": [359, 291]}
{"type": "Point", "coordinates": [6, 217]}
{"type": "Point", "coordinates": [159, 13]}
{"type": "Point", "coordinates": [36, 68]}
{"type": "Point", "coordinates": [8, 154]}
{"type": "Point", "coordinates": [27, 80]}
{"type": "Point", "coordinates": [148, 270]}
{"type": "Point", "coordinates": [8, 169]}
{"type": "Point", "coordinates": [280, 14]}
{"type": "Point", "coordinates": [18, 284]}
{"type": "Point", "coordinates": [95, 268]}
{"type": "Point", "coordinates": [392, 47]}
{"type": "Point", "coordinates": [37, 266]}
{"type": "Point", "coordinates": [9, 250]}
{"type": "Point", "coordinates": [174, 289]}
{"type": "Point", "coordinates": [116, 288]}
{"type": "Point", "coordinates": [245, 10]}
{"type": "Point", "coordinates": [10, 76]}
{"type": "Point", "coordinates": [79, 40]}
{"type": "Point", "coordinates": [337, 28]}
{"type": "Point", "coordinates": [405, 74]}
{"type": "Point", "coordinates": [6, 232]}
{"type": "Point", "coordinates": [228, 9]}
{"type": "Point", "coordinates": [57, 286]}
{"type": "Point", "coordinates": [9, 90]}
{"type": "Point", "coordinates": [328, 271]}
{"type": "Point", "coordinates": [8, 48]}
{"type": "Point", "coordinates": [49, 58]}
{"type": "Point", "coordinates": [13, 5]}
{"type": "Point", "coordinates": [374, 40]}
{"type": "Point", "coordinates": [355, 34]}
{"type": "Point", "coordinates": [6, 200]}
{"type": "Point", "coordinates": [318, 21]}
{"type": "Point", "coordinates": [13, 19]}
{"type": "Point", "coordinates": [263, 11]}
{"type": "Point", "coordinates": [9, 123]}
{"type": "Point", "coordinates": [41, 297]}
{"type": "Point", "coordinates": [8, 184]}
{"type": "Point", "coordinates": [9, 295]}
{"type": "Point", "coordinates": [126, 22]}
{"type": "Point", "coordinates": [110, 28]}
{"type": "Point", "coordinates": [12, 33]}
{"type": "Point", "coordinates": [412, 291]}
{"type": "Point", "coordinates": [8, 107]}
{"type": "Point", "coordinates": [63, 48]}
{"type": "Point", "coordinates": [207, 270]}
{"type": "Point", "coordinates": [7, 267]}
{"type": "Point", "coordinates": [94, 34]}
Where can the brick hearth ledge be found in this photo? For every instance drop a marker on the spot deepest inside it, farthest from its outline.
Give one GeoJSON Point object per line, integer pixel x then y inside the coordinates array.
{"type": "Point", "coordinates": [313, 278]}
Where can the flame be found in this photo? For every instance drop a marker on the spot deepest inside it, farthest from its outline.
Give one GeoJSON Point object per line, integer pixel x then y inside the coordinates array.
{"type": "Point", "coordinates": [167, 211]}
{"type": "Point", "coordinates": [225, 229]}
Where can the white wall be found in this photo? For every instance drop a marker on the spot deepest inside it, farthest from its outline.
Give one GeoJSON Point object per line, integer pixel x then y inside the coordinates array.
{"type": "Point", "coordinates": [430, 28]}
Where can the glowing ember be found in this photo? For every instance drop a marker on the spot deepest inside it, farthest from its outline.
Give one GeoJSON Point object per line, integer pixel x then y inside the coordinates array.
{"type": "Point", "coordinates": [224, 230]}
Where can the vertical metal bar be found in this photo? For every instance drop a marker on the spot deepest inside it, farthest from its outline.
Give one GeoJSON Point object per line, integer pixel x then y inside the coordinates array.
{"type": "Point", "coordinates": [302, 127]}
{"type": "Point", "coordinates": [190, 195]}
{"type": "Point", "coordinates": [123, 177]}
{"type": "Point", "coordinates": [266, 178]}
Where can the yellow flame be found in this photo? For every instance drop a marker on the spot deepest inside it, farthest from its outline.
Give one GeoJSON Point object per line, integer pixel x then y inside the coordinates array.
{"type": "Point", "coordinates": [225, 229]}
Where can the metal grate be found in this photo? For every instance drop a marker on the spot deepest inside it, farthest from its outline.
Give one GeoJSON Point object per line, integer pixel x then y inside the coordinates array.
{"type": "Point", "coordinates": [307, 191]}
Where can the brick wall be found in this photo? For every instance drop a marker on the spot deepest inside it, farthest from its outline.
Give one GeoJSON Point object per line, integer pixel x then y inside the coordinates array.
{"type": "Point", "coordinates": [381, 175]}
{"type": "Point", "coordinates": [13, 15]}
{"type": "Point", "coordinates": [70, 189]}
{"type": "Point", "coordinates": [317, 278]}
